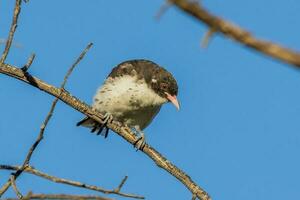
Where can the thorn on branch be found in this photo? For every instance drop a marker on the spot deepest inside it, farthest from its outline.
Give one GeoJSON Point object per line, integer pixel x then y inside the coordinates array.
{"type": "Point", "coordinates": [194, 197]}
{"type": "Point", "coordinates": [28, 64]}
{"type": "Point", "coordinates": [207, 37]}
{"type": "Point", "coordinates": [163, 9]}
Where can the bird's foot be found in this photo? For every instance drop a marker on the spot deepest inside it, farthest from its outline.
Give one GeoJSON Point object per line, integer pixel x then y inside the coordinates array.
{"type": "Point", "coordinates": [100, 126]}
{"type": "Point", "coordinates": [140, 143]}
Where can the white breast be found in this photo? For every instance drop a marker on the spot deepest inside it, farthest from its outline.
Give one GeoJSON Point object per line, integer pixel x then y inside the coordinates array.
{"type": "Point", "coordinates": [128, 100]}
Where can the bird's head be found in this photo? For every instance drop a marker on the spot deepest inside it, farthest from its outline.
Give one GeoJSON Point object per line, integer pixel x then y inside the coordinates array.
{"type": "Point", "coordinates": [166, 86]}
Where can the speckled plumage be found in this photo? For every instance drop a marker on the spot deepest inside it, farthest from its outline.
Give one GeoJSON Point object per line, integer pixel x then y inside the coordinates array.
{"type": "Point", "coordinates": [129, 100]}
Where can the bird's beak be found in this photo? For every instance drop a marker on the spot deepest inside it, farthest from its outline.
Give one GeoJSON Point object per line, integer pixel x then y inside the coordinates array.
{"type": "Point", "coordinates": [173, 100]}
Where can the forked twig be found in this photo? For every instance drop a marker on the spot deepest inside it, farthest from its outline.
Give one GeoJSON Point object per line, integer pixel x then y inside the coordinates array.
{"type": "Point", "coordinates": [14, 186]}
{"type": "Point", "coordinates": [55, 179]}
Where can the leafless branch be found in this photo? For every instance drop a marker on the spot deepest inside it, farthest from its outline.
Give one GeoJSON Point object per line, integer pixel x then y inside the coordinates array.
{"type": "Point", "coordinates": [117, 127]}
{"type": "Point", "coordinates": [118, 189]}
{"type": "Point", "coordinates": [75, 63]}
{"type": "Point", "coordinates": [238, 34]}
{"type": "Point", "coordinates": [13, 183]}
{"type": "Point", "coordinates": [43, 126]}
{"type": "Point", "coordinates": [29, 62]}
{"type": "Point", "coordinates": [13, 28]}
{"type": "Point", "coordinates": [30, 195]}
{"type": "Point", "coordinates": [55, 179]}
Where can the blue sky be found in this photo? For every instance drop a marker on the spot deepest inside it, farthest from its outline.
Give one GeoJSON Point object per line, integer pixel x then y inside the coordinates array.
{"type": "Point", "coordinates": [237, 133]}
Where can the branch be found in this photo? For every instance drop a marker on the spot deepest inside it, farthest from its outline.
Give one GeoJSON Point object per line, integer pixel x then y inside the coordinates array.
{"type": "Point", "coordinates": [117, 127]}
{"type": "Point", "coordinates": [55, 179]}
{"type": "Point", "coordinates": [29, 62]}
{"type": "Point", "coordinates": [238, 34]}
{"type": "Point", "coordinates": [15, 188]}
{"type": "Point", "coordinates": [13, 28]}
{"type": "Point", "coordinates": [65, 196]}
{"type": "Point", "coordinates": [61, 196]}
{"type": "Point", "coordinates": [42, 129]}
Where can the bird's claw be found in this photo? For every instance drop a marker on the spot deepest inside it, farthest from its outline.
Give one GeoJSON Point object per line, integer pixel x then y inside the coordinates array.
{"type": "Point", "coordinates": [140, 143]}
{"type": "Point", "coordinates": [107, 119]}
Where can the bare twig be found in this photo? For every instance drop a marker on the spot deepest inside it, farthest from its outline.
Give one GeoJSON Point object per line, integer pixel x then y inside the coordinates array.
{"type": "Point", "coordinates": [30, 195]}
{"type": "Point", "coordinates": [13, 28]}
{"type": "Point", "coordinates": [55, 179]}
{"type": "Point", "coordinates": [238, 34]}
{"type": "Point", "coordinates": [13, 183]}
{"type": "Point", "coordinates": [68, 197]}
{"type": "Point", "coordinates": [75, 63]}
{"type": "Point", "coordinates": [118, 189]}
{"type": "Point", "coordinates": [29, 62]}
{"type": "Point", "coordinates": [43, 126]}
{"type": "Point", "coordinates": [121, 130]}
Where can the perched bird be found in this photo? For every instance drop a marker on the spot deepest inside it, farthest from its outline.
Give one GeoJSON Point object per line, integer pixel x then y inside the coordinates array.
{"type": "Point", "coordinates": [133, 94]}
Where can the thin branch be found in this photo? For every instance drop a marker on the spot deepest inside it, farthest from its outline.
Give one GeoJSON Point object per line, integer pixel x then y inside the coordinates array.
{"type": "Point", "coordinates": [117, 127]}
{"type": "Point", "coordinates": [118, 189]}
{"type": "Point", "coordinates": [75, 63]}
{"type": "Point", "coordinates": [29, 62]}
{"type": "Point", "coordinates": [61, 196]}
{"type": "Point", "coordinates": [44, 125]}
{"type": "Point", "coordinates": [238, 34]}
{"type": "Point", "coordinates": [14, 186]}
{"type": "Point", "coordinates": [68, 197]}
{"type": "Point", "coordinates": [55, 179]}
{"type": "Point", "coordinates": [13, 28]}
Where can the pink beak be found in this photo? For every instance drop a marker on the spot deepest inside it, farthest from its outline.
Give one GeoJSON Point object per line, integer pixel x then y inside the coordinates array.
{"type": "Point", "coordinates": [173, 100]}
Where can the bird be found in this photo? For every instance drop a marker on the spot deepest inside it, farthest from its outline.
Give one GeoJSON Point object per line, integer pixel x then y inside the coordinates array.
{"type": "Point", "coordinates": [133, 94]}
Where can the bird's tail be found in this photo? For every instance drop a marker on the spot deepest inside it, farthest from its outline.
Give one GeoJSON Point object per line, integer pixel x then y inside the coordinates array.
{"type": "Point", "coordinates": [86, 122]}
{"type": "Point", "coordinates": [94, 126]}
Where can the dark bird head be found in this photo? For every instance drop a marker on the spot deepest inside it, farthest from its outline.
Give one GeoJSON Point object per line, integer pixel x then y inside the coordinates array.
{"type": "Point", "coordinates": [165, 85]}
